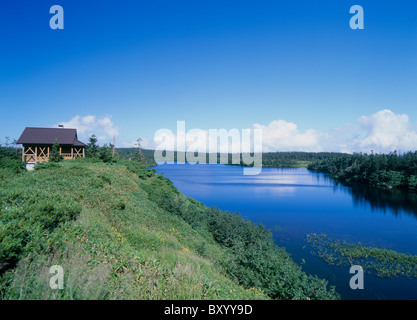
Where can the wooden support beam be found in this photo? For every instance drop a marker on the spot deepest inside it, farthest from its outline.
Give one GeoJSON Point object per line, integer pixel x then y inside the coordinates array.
{"type": "Point", "coordinates": [79, 152]}
{"type": "Point", "coordinates": [42, 154]}
{"type": "Point", "coordinates": [23, 154]}
{"type": "Point", "coordinates": [72, 153]}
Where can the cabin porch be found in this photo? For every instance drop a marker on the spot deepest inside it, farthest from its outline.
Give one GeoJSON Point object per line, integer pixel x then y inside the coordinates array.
{"type": "Point", "coordinates": [35, 154]}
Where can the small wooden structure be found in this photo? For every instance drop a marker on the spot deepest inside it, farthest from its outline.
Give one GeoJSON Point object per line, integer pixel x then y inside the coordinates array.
{"type": "Point", "coordinates": [37, 144]}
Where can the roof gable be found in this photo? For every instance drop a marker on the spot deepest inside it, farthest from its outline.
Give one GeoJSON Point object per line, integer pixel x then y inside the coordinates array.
{"type": "Point", "coordinates": [49, 135]}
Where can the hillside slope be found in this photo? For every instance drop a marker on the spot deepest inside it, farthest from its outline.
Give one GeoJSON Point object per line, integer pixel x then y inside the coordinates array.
{"type": "Point", "coordinates": [120, 231]}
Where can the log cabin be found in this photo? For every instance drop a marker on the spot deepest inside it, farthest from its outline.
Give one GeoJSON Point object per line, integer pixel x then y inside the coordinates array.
{"type": "Point", "coordinates": [37, 144]}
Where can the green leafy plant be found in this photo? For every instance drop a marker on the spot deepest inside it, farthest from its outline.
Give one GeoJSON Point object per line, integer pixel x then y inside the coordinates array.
{"type": "Point", "coordinates": [55, 154]}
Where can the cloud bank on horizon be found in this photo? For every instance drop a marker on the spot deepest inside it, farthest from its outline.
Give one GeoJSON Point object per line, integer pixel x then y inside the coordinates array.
{"type": "Point", "coordinates": [381, 132]}
{"type": "Point", "coordinates": [387, 131]}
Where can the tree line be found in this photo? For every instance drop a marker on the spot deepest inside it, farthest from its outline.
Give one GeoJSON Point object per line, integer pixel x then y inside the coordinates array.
{"type": "Point", "coordinates": [391, 170]}
{"type": "Point", "coordinates": [294, 159]}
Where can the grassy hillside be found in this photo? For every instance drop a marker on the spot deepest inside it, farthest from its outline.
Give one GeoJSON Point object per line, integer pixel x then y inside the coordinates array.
{"type": "Point", "coordinates": [120, 231]}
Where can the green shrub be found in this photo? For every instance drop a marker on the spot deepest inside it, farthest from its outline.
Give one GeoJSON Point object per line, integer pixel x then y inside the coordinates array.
{"type": "Point", "coordinates": [26, 217]}
{"type": "Point", "coordinates": [10, 167]}
{"type": "Point", "coordinates": [55, 155]}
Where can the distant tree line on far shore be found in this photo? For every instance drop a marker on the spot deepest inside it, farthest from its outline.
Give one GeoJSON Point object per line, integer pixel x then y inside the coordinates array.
{"type": "Point", "coordinates": [391, 170]}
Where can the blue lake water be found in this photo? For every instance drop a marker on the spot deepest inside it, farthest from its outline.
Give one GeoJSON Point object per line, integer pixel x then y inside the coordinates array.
{"type": "Point", "coordinates": [299, 202]}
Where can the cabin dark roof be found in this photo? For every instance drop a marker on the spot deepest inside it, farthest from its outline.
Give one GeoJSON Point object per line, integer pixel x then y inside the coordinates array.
{"type": "Point", "coordinates": [46, 136]}
{"type": "Point", "coordinates": [78, 143]}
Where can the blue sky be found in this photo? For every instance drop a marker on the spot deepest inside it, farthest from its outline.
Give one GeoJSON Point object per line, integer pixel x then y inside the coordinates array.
{"type": "Point", "coordinates": [132, 67]}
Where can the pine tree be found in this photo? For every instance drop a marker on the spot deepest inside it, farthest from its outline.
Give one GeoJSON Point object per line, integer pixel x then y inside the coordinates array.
{"type": "Point", "coordinates": [138, 156]}
{"type": "Point", "coordinates": [55, 155]}
{"type": "Point", "coordinates": [92, 149]}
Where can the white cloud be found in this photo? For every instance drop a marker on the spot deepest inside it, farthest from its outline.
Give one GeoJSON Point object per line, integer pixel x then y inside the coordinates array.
{"type": "Point", "coordinates": [386, 131]}
{"type": "Point", "coordinates": [341, 139]}
{"type": "Point", "coordinates": [382, 132]}
{"type": "Point", "coordinates": [280, 135]}
{"type": "Point", "coordinates": [103, 127]}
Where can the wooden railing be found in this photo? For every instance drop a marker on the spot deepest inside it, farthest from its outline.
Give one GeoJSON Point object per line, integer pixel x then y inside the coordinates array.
{"type": "Point", "coordinates": [35, 154]}
{"type": "Point", "coordinates": [69, 156]}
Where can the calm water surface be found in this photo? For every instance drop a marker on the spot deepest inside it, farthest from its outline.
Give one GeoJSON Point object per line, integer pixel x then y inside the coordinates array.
{"type": "Point", "coordinates": [299, 202]}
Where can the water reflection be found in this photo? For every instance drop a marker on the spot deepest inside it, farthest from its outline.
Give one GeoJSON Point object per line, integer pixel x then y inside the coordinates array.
{"type": "Point", "coordinates": [394, 201]}
{"type": "Point", "coordinates": [377, 199]}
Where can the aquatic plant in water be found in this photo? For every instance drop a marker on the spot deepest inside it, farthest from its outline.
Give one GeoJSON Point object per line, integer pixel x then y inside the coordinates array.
{"type": "Point", "coordinates": [383, 262]}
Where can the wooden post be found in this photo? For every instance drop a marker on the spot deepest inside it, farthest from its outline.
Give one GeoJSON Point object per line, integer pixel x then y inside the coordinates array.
{"type": "Point", "coordinates": [72, 153]}
{"type": "Point", "coordinates": [48, 153]}
{"type": "Point", "coordinates": [36, 154]}
{"type": "Point", "coordinates": [23, 154]}
{"type": "Point", "coordinates": [83, 152]}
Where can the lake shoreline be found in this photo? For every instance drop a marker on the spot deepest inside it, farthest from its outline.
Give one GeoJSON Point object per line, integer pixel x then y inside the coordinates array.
{"type": "Point", "coordinates": [232, 183]}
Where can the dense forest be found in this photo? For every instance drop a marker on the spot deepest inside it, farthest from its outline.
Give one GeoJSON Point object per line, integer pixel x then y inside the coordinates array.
{"type": "Point", "coordinates": [121, 231]}
{"type": "Point", "coordinates": [391, 170]}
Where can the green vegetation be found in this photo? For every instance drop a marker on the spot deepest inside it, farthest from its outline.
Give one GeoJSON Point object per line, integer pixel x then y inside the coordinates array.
{"type": "Point", "coordinates": [142, 155]}
{"type": "Point", "coordinates": [55, 155]}
{"type": "Point", "coordinates": [92, 149]}
{"type": "Point", "coordinates": [380, 170]}
{"type": "Point", "coordinates": [121, 231]}
{"type": "Point", "coordinates": [10, 163]}
{"type": "Point", "coordinates": [294, 159]}
{"type": "Point", "coordinates": [269, 159]}
{"type": "Point", "coordinates": [383, 262]}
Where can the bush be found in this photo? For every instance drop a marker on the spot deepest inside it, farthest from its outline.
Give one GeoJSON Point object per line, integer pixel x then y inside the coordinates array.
{"type": "Point", "coordinates": [55, 155]}
{"type": "Point", "coordinates": [14, 166]}
{"type": "Point", "coordinates": [27, 216]}
{"type": "Point", "coordinates": [105, 154]}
